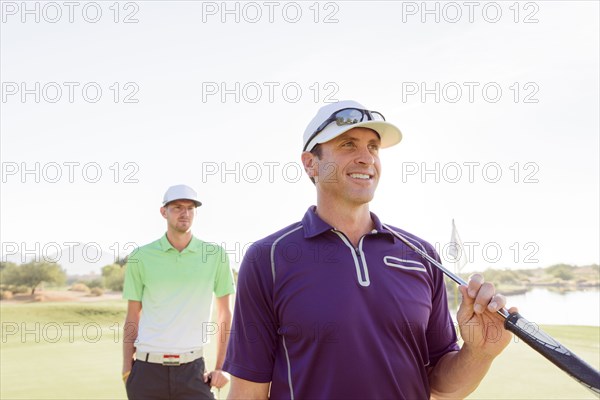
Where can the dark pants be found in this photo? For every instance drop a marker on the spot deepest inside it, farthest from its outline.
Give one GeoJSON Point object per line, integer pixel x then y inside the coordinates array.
{"type": "Point", "coordinates": [160, 382]}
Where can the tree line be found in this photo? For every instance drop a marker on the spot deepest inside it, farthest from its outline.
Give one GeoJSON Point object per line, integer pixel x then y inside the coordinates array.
{"type": "Point", "coordinates": [27, 277]}
{"type": "Point", "coordinates": [562, 275]}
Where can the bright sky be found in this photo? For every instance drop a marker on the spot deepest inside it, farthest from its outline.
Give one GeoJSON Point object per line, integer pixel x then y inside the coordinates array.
{"type": "Point", "coordinates": [498, 103]}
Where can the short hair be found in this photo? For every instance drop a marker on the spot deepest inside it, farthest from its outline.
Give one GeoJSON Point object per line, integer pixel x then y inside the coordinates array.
{"type": "Point", "coordinates": [317, 151]}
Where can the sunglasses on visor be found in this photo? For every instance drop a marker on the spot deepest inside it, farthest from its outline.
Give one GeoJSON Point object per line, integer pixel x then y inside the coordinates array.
{"type": "Point", "coordinates": [346, 116]}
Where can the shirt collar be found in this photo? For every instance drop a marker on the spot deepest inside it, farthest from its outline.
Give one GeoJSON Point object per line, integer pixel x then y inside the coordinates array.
{"type": "Point", "coordinates": [314, 225]}
{"type": "Point", "coordinates": [192, 246]}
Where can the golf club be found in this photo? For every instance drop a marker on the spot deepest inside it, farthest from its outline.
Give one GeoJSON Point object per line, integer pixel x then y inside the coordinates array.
{"type": "Point", "coordinates": [530, 333]}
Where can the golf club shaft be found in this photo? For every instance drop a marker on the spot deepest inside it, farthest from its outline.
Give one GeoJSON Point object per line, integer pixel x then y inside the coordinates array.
{"type": "Point", "coordinates": [530, 333]}
{"type": "Point", "coordinates": [503, 312]}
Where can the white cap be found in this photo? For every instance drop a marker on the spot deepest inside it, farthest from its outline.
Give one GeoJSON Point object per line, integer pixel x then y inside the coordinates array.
{"type": "Point", "coordinates": [181, 192]}
{"type": "Point", "coordinates": [389, 133]}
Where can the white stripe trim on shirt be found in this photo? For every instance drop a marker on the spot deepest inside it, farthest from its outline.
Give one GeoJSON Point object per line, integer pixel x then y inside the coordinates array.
{"type": "Point", "coordinates": [398, 263]}
{"type": "Point", "coordinates": [273, 249]}
{"type": "Point", "coordinates": [412, 240]}
{"type": "Point", "coordinates": [287, 356]}
{"type": "Point", "coordinates": [363, 282]}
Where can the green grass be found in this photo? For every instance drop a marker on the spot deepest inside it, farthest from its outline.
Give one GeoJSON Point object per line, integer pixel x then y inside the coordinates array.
{"type": "Point", "coordinates": [81, 361]}
{"type": "Point", "coordinates": [522, 373]}
{"type": "Point", "coordinates": [87, 365]}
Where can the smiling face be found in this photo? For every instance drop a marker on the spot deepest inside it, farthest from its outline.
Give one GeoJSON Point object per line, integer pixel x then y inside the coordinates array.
{"type": "Point", "coordinates": [347, 173]}
{"type": "Point", "coordinates": [179, 215]}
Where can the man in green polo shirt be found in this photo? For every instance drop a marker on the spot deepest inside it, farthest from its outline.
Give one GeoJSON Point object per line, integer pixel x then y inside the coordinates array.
{"type": "Point", "coordinates": [169, 284]}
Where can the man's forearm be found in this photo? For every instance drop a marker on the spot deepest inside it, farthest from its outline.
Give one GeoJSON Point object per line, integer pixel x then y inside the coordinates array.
{"type": "Point", "coordinates": [128, 352]}
{"type": "Point", "coordinates": [130, 333]}
{"type": "Point", "coordinates": [247, 390]}
{"type": "Point", "coordinates": [457, 374]}
{"type": "Point", "coordinates": [224, 321]}
{"type": "Point", "coordinates": [224, 324]}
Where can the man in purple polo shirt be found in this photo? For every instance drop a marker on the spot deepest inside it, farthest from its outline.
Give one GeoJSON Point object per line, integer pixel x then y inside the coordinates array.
{"type": "Point", "coordinates": [337, 307]}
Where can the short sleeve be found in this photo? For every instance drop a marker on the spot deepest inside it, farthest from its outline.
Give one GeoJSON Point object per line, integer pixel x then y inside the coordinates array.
{"type": "Point", "coordinates": [133, 287]}
{"type": "Point", "coordinates": [224, 277]}
{"type": "Point", "coordinates": [441, 333]}
{"type": "Point", "coordinates": [253, 340]}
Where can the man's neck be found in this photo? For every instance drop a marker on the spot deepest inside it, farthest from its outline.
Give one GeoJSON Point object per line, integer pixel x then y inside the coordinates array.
{"type": "Point", "coordinates": [354, 222]}
{"type": "Point", "coordinates": [179, 240]}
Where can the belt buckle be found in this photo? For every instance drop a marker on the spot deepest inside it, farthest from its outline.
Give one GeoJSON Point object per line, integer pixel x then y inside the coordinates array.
{"type": "Point", "coordinates": [171, 359]}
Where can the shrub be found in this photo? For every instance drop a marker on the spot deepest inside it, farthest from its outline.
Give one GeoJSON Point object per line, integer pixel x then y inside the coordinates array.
{"type": "Point", "coordinates": [6, 295]}
{"type": "Point", "coordinates": [80, 287]}
{"type": "Point", "coordinates": [96, 291]}
{"type": "Point", "coordinates": [561, 271]}
{"type": "Point", "coordinates": [498, 276]}
{"type": "Point", "coordinates": [113, 276]}
{"type": "Point", "coordinates": [20, 289]}
{"type": "Point", "coordinates": [95, 283]}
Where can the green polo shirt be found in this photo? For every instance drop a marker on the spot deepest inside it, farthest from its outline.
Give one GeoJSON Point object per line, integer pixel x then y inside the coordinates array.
{"type": "Point", "coordinates": [176, 290]}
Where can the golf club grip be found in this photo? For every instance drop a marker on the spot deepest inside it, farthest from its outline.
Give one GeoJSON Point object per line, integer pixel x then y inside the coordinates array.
{"type": "Point", "coordinates": [559, 355]}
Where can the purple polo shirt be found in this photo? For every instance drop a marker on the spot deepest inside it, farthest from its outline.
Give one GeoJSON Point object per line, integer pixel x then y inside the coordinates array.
{"type": "Point", "coordinates": [319, 318]}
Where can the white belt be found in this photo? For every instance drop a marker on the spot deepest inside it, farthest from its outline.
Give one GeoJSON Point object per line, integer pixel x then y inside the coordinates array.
{"type": "Point", "coordinates": [169, 359]}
